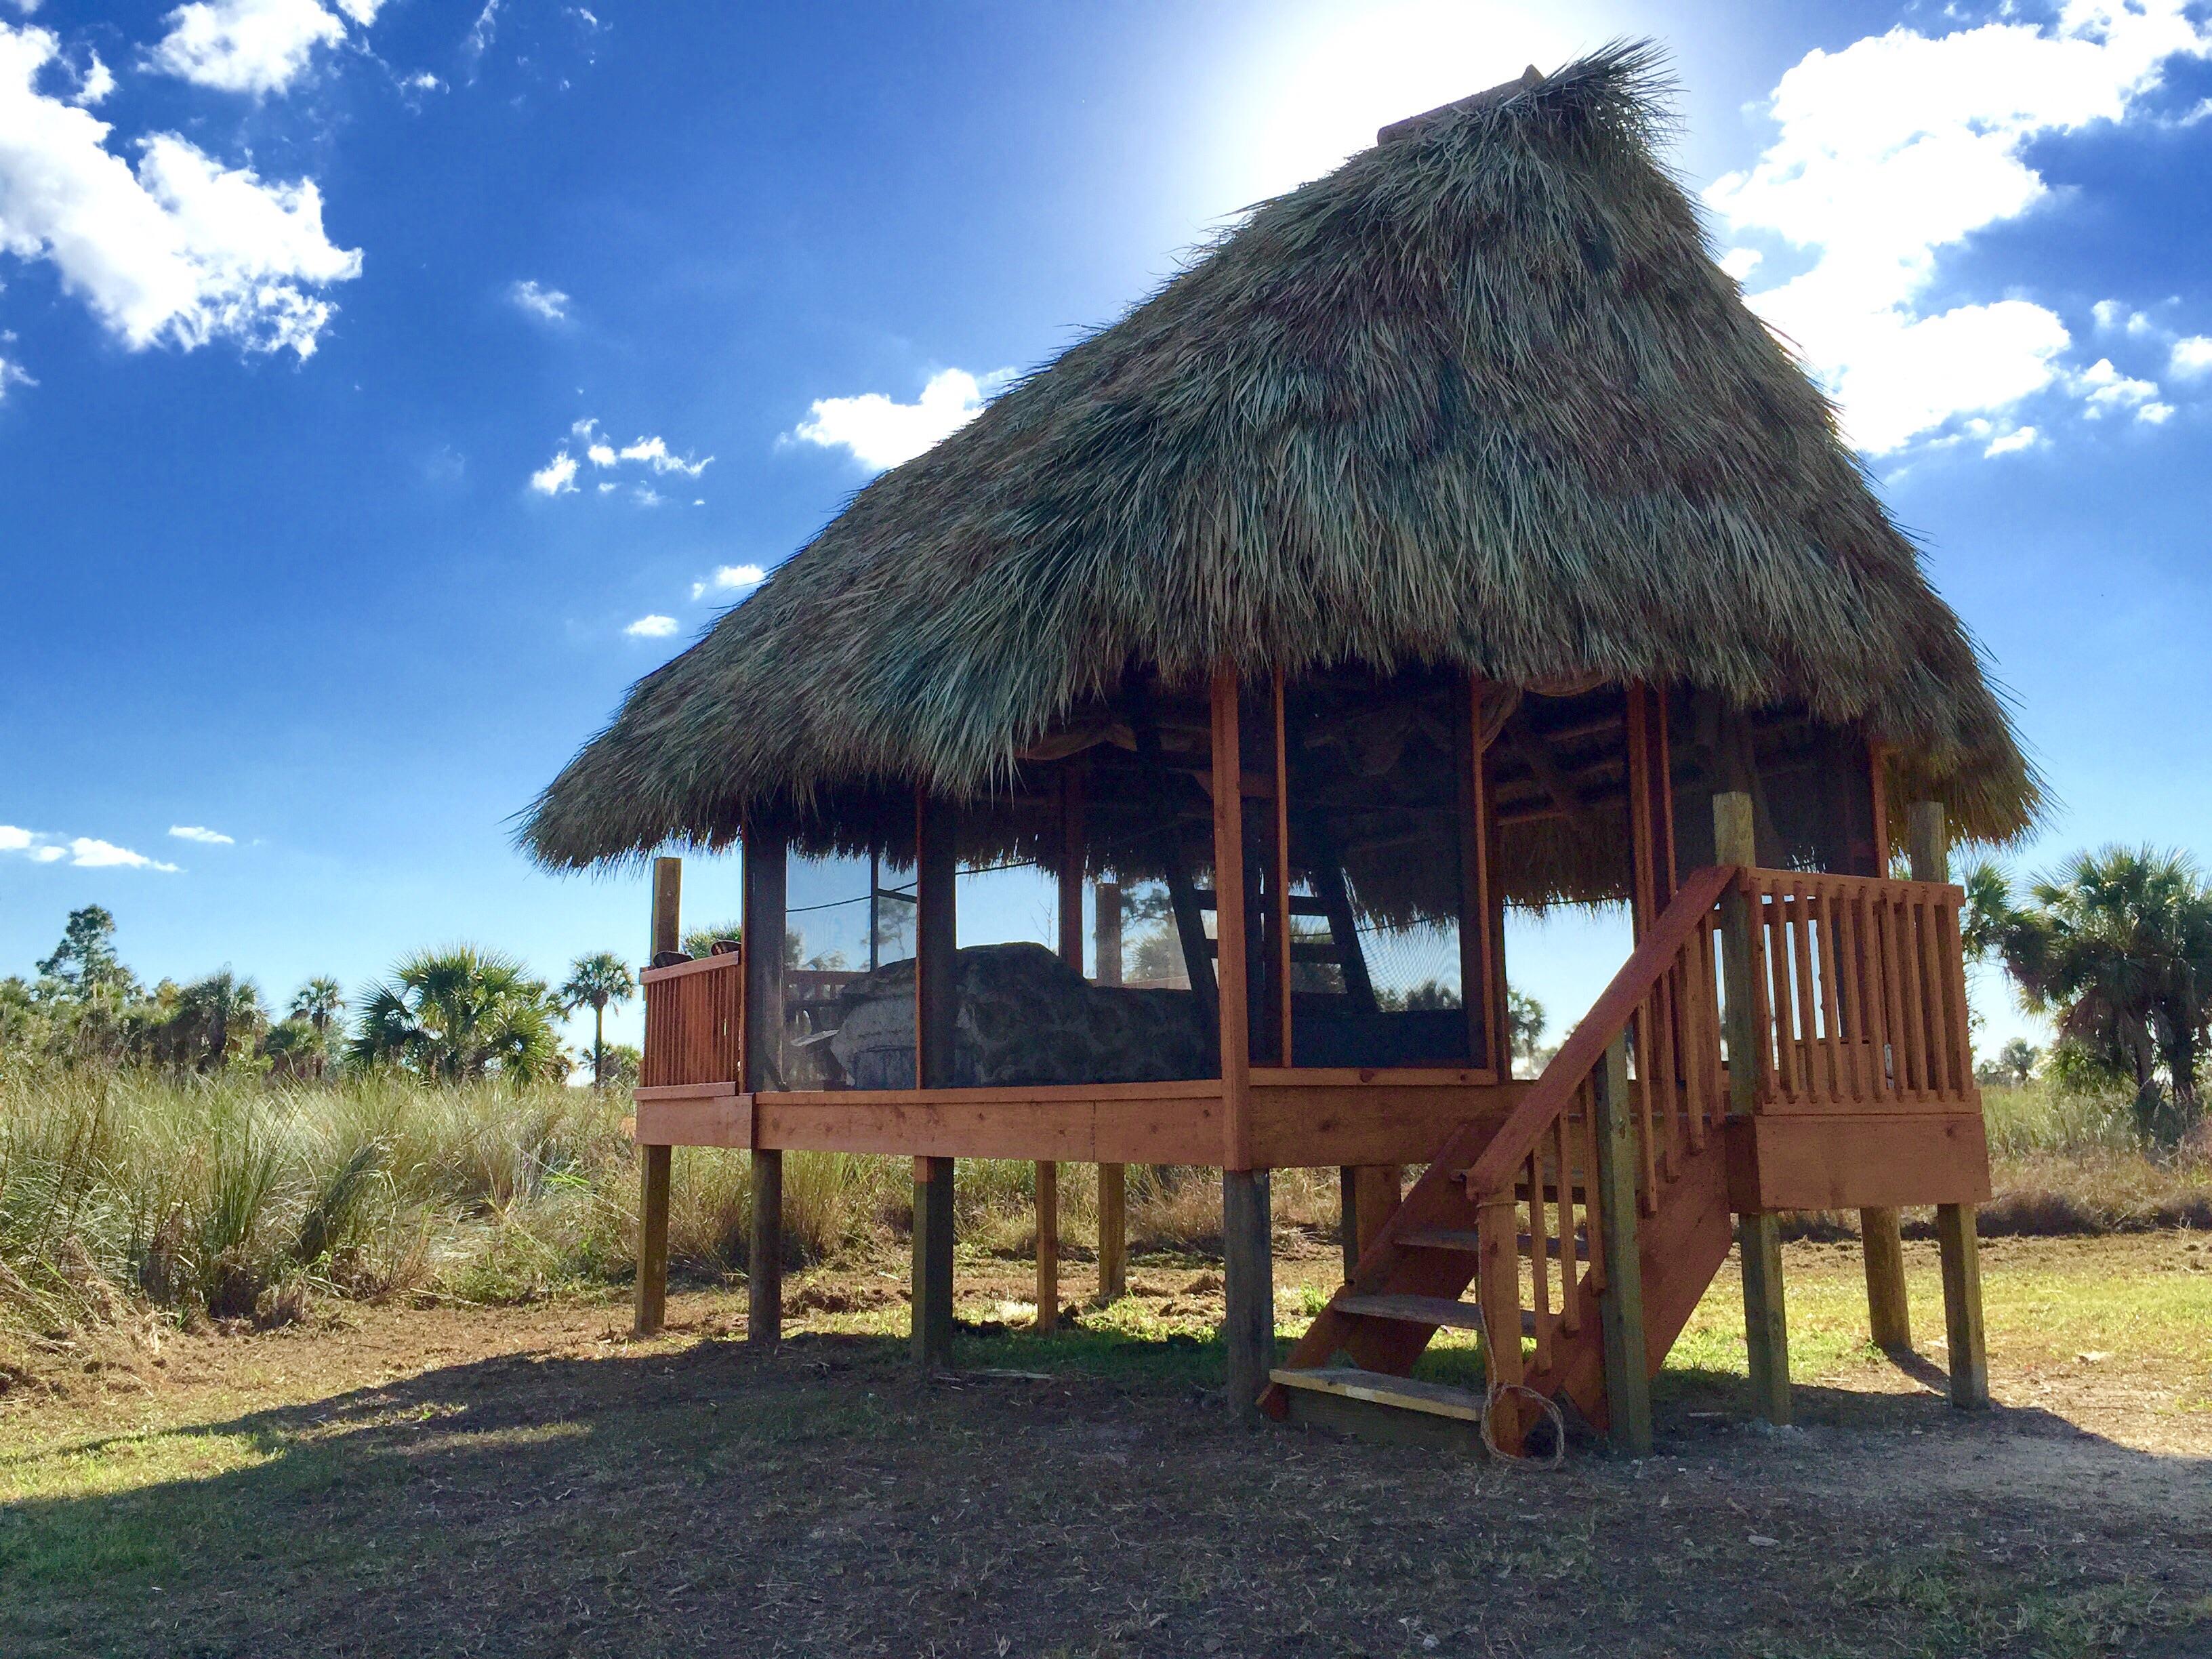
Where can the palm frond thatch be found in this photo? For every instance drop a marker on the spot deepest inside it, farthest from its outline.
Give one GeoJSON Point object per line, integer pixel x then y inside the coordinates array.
{"type": "Point", "coordinates": [1479, 397]}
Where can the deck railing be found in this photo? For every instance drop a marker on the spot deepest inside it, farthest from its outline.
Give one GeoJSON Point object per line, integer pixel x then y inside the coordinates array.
{"type": "Point", "coordinates": [1860, 988]}
{"type": "Point", "coordinates": [1858, 992]}
{"type": "Point", "coordinates": [695, 1022]}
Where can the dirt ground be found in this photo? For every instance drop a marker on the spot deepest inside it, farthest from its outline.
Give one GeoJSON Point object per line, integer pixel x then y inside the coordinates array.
{"type": "Point", "coordinates": [387, 1480]}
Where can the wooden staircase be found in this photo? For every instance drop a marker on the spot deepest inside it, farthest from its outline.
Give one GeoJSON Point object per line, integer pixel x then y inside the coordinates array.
{"type": "Point", "coordinates": [1628, 1114]}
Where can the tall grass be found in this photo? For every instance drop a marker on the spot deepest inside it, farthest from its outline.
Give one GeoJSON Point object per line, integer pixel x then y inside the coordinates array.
{"type": "Point", "coordinates": [233, 1199]}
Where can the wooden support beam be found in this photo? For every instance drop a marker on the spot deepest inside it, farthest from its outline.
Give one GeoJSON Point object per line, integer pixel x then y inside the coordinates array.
{"type": "Point", "coordinates": [1477, 947]}
{"type": "Point", "coordinates": [932, 1263]}
{"type": "Point", "coordinates": [1926, 843]}
{"type": "Point", "coordinates": [763, 926]}
{"type": "Point", "coordinates": [1765, 1319]}
{"type": "Point", "coordinates": [1497, 1288]}
{"type": "Point", "coordinates": [1248, 1273]}
{"type": "Point", "coordinates": [1962, 1305]}
{"type": "Point", "coordinates": [653, 1163]}
{"type": "Point", "coordinates": [1532, 753]}
{"type": "Point", "coordinates": [1889, 1319]}
{"type": "Point", "coordinates": [1048, 1247]}
{"type": "Point", "coordinates": [936, 1026]}
{"type": "Point", "coordinates": [1113, 1232]}
{"type": "Point", "coordinates": [765, 1251]}
{"type": "Point", "coordinates": [1620, 1306]}
{"type": "Point", "coordinates": [1889, 1316]}
{"type": "Point", "coordinates": [1232, 960]}
{"type": "Point", "coordinates": [1182, 892]}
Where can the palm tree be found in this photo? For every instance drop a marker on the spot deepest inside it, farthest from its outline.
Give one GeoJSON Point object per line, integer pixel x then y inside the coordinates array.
{"type": "Point", "coordinates": [2116, 947]}
{"type": "Point", "coordinates": [214, 1012]}
{"type": "Point", "coordinates": [318, 1002]}
{"type": "Point", "coordinates": [458, 1014]}
{"type": "Point", "coordinates": [594, 982]}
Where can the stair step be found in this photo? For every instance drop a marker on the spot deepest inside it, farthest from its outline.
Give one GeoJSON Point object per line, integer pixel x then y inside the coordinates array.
{"type": "Point", "coordinates": [1425, 1310]}
{"type": "Point", "coordinates": [1465, 1240]}
{"type": "Point", "coordinates": [1378, 1389]}
{"type": "Point", "coordinates": [1414, 1310]}
{"type": "Point", "coordinates": [1468, 1242]}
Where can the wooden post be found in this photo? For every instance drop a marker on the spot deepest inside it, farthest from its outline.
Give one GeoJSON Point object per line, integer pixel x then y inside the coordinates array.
{"type": "Point", "coordinates": [1113, 1232]}
{"type": "Point", "coordinates": [1889, 1319]}
{"type": "Point", "coordinates": [1248, 1268]}
{"type": "Point", "coordinates": [1374, 1191]}
{"type": "Point", "coordinates": [1759, 1239]}
{"type": "Point", "coordinates": [1927, 844]}
{"type": "Point", "coordinates": [1620, 1310]}
{"type": "Point", "coordinates": [764, 926]}
{"type": "Point", "coordinates": [1048, 1247]}
{"type": "Point", "coordinates": [935, 1027]}
{"type": "Point", "coordinates": [1228, 919]}
{"type": "Point", "coordinates": [1497, 1287]}
{"type": "Point", "coordinates": [1112, 1179]}
{"type": "Point", "coordinates": [1962, 1305]}
{"type": "Point", "coordinates": [653, 1162]}
{"type": "Point", "coordinates": [1248, 1328]}
{"type": "Point", "coordinates": [1889, 1316]}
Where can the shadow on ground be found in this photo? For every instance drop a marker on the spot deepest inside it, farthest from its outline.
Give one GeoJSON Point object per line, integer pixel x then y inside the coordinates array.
{"type": "Point", "coordinates": [1091, 1496]}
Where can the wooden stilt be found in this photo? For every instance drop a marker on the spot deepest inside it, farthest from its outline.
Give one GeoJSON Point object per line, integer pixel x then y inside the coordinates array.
{"type": "Point", "coordinates": [1347, 1217]}
{"type": "Point", "coordinates": [654, 1162]}
{"type": "Point", "coordinates": [1766, 1321]}
{"type": "Point", "coordinates": [1620, 1309]}
{"type": "Point", "coordinates": [1248, 1330]}
{"type": "Point", "coordinates": [764, 1256]}
{"type": "Point", "coordinates": [1889, 1321]}
{"type": "Point", "coordinates": [936, 1024]}
{"type": "Point", "coordinates": [1113, 1232]}
{"type": "Point", "coordinates": [1497, 1287]}
{"type": "Point", "coordinates": [933, 1262]}
{"type": "Point", "coordinates": [1962, 1305]}
{"type": "Point", "coordinates": [763, 929]}
{"type": "Point", "coordinates": [1371, 1195]}
{"type": "Point", "coordinates": [1927, 845]}
{"type": "Point", "coordinates": [1048, 1246]}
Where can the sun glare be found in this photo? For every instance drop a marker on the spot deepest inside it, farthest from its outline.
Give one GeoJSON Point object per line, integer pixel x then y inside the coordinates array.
{"type": "Point", "coordinates": [1315, 91]}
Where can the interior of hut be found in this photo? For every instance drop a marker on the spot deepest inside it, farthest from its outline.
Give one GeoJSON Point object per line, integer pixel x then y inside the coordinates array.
{"type": "Point", "coordinates": [1397, 856]}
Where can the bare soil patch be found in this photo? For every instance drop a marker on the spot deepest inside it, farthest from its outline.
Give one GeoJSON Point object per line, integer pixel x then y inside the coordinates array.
{"type": "Point", "coordinates": [527, 1480]}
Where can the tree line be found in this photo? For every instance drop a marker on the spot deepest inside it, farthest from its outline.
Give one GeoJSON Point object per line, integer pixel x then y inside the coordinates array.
{"type": "Point", "coordinates": [454, 1014]}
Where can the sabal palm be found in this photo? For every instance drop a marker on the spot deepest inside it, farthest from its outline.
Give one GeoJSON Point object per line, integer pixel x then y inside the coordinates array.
{"type": "Point", "coordinates": [594, 982]}
{"type": "Point", "coordinates": [459, 1013]}
{"type": "Point", "coordinates": [214, 1011]}
{"type": "Point", "coordinates": [318, 1002]}
{"type": "Point", "coordinates": [2116, 946]}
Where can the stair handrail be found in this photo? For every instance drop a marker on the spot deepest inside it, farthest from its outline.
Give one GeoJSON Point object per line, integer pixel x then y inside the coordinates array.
{"type": "Point", "coordinates": [1609, 1017]}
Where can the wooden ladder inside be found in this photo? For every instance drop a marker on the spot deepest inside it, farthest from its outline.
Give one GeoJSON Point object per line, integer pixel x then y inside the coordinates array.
{"type": "Point", "coordinates": [1627, 1114]}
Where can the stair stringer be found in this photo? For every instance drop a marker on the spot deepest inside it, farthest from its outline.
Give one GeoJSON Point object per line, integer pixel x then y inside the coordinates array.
{"type": "Point", "coordinates": [1681, 1247]}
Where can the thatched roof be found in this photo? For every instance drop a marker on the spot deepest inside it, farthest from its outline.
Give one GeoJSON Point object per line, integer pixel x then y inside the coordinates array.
{"type": "Point", "coordinates": [1480, 398]}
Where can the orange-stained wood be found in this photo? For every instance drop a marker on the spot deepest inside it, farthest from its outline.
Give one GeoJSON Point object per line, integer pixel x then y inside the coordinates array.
{"type": "Point", "coordinates": [1860, 1160]}
{"type": "Point", "coordinates": [1280, 877]}
{"type": "Point", "coordinates": [1229, 957]}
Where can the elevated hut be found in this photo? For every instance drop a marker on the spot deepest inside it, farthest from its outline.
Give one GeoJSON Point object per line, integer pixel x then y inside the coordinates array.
{"type": "Point", "coordinates": [1449, 537]}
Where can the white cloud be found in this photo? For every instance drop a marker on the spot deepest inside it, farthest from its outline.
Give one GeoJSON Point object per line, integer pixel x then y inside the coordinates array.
{"type": "Point", "coordinates": [85, 851]}
{"type": "Point", "coordinates": [651, 627]}
{"type": "Point", "coordinates": [181, 249]}
{"type": "Point", "coordinates": [423, 81]}
{"type": "Point", "coordinates": [200, 833]}
{"type": "Point", "coordinates": [1901, 146]}
{"type": "Point", "coordinates": [557, 477]}
{"type": "Point", "coordinates": [89, 854]}
{"type": "Point", "coordinates": [12, 374]}
{"type": "Point", "coordinates": [93, 83]}
{"type": "Point", "coordinates": [729, 578]}
{"type": "Point", "coordinates": [2155, 414]}
{"type": "Point", "coordinates": [1740, 262]}
{"type": "Point", "coordinates": [654, 452]}
{"type": "Point", "coordinates": [880, 433]}
{"type": "Point", "coordinates": [2192, 356]}
{"type": "Point", "coordinates": [256, 46]}
{"type": "Point", "coordinates": [548, 303]}
{"type": "Point", "coordinates": [2103, 389]}
{"type": "Point", "coordinates": [2008, 442]}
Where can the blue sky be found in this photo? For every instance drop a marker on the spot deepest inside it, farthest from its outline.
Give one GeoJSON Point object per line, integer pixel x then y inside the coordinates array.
{"type": "Point", "coordinates": [325, 322]}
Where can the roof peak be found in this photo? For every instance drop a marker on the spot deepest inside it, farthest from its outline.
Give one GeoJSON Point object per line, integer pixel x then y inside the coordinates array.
{"type": "Point", "coordinates": [1527, 80]}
